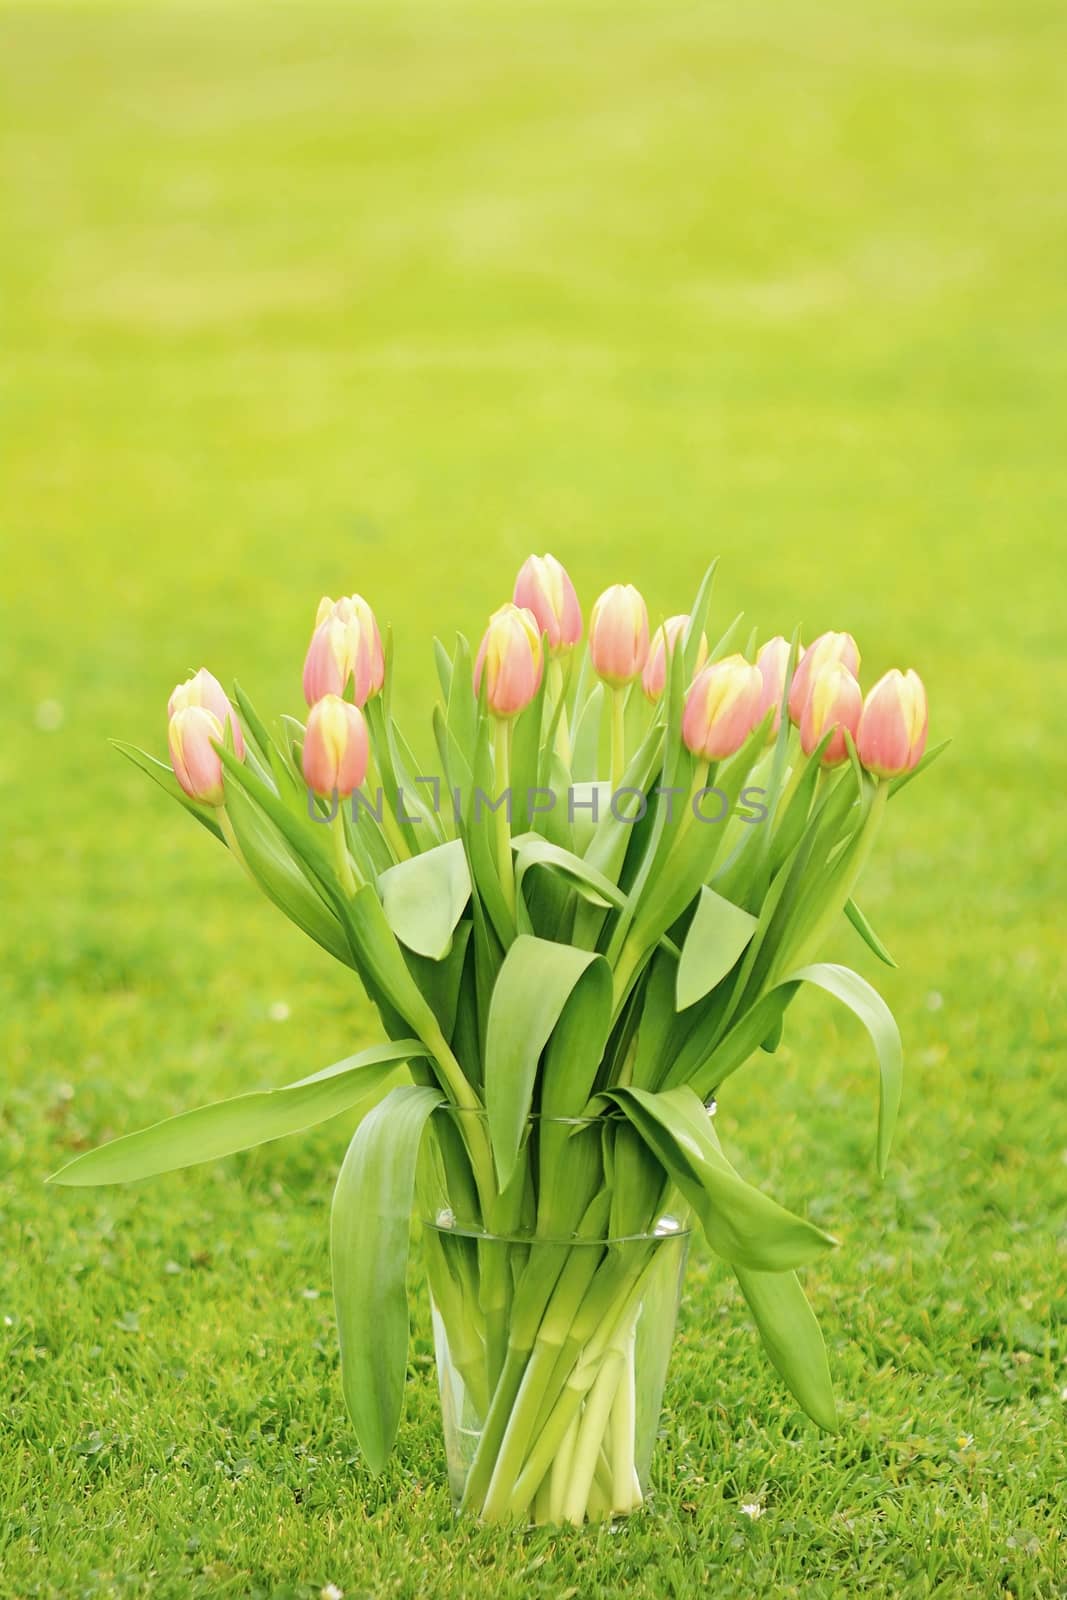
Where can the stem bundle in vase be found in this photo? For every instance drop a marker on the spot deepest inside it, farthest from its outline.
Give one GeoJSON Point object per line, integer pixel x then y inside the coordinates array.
{"type": "Point", "coordinates": [576, 925]}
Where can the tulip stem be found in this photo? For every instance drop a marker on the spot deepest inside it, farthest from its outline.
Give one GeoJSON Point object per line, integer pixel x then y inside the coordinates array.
{"type": "Point", "coordinates": [557, 685]}
{"type": "Point", "coordinates": [390, 824]}
{"type": "Point", "coordinates": [341, 856]}
{"type": "Point", "coordinates": [618, 738]}
{"type": "Point", "coordinates": [502, 815]}
{"type": "Point", "coordinates": [231, 840]}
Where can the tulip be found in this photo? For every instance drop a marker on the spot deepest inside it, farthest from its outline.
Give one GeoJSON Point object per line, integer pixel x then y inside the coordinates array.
{"type": "Point", "coordinates": [203, 689]}
{"type": "Point", "coordinates": [346, 644]}
{"type": "Point", "coordinates": [835, 701]}
{"type": "Point", "coordinates": [773, 663]}
{"type": "Point", "coordinates": [821, 652]}
{"type": "Point", "coordinates": [722, 708]}
{"type": "Point", "coordinates": [544, 587]}
{"type": "Point", "coordinates": [618, 635]}
{"type": "Point", "coordinates": [336, 747]}
{"type": "Point", "coordinates": [197, 764]}
{"type": "Point", "coordinates": [892, 729]}
{"type": "Point", "coordinates": [368, 657]}
{"type": "Point", "coordinates": [510, 657]}
{"type": "Point", "coordinates": [663, 644]}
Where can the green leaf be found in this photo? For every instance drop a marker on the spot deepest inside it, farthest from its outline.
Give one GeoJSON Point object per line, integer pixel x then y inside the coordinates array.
{"type": "Point", "coordinates": [282, 880]}
{"type": "Point", "coordinates": [698, 618]}
{"type": "Point", "coordinates": [791, 1334]}
{"type": "Point", "coordinates": [370, 1227]}
{"type": "Point", "coordinates": [534, 983]}
{"type": "Point", "coordinates": [747, 1034]}
{"type": "Point", "coordinates": [744, 1226]}
{"type": "Point", "coordinates": [533, 850]}
{"type": "Point", "coordinates": [585, 758]}
{"type": "Point", "coordinates": [442, 981]}
{"type": "Point", "coordinates": [660, 896]}
{"type": "Point", "coordinates": [657, 1020]}
{"type": "Point", "coordinates": [867, 933]}
{"type": "Point", "coordinates": [254, 725]}
{"type": "Point", "coordinates": [717, 935]}
{"type": "Point", "coordinates": [303, 836]}
{"type": "Point", "coordinates": [162, 773]}
{"type": "Point", "coordinates": [443, 663]}
{"type": "Point", "coordinates": [577, 1043]}
{"type": "Point", "coordinates": [462, 711]}
{"type": "Point", "coordinates": [867, 1004]}
{"type": "Point", "coordinates": [526, 735]}
{"type": "Point", "coordinates": [896, 784]}
{"type": "Point", "coordinates": [793, 1339]}
{"type": "Point", "coordinates": [423, 898]}
{"type": "Point", "coordinates": [729, 642]}
{"type": "Point", "coordinates": [386, 977]}
{"type": "Point", "coordinates": [211, 1132]}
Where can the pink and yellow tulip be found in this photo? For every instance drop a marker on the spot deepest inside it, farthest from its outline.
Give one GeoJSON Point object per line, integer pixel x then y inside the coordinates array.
{"type": "Point", "coordinates": [544, 588]}
{"type": "Point", "coordinates": [893, 724]}
{"type": "Point", "coordinates": [618, 635]}
{"type": "Point", "coordinates": [510, 658]}
{"type": "Point", "coordinates": [773, 663]}
{"type": "Point", "coordinates": [204, 689]}
{"type": "Point", "coordinates": [346, 645]}
{"type": "Point", "coordinates": [827, 648]}
{"type": "Point", "coordinates": [662, 646]}
{"type": "Point", "coordinates": [336, 748]}
{"type": "Point", "coordinates": [834, 701]}
{"type": "Point", "coordinates": [192, 734]}
{"type": "Point", "coordinates": [722, 708]}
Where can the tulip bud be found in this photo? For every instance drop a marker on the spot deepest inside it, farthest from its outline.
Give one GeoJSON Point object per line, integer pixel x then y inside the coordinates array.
{"type": "Point", "coordinates": [326, 665]}
{"type": "Point", "coordinates": [510, 657]}
{"type": "Point", "coordinates": [618, 635]}
{"type": "Point", "coordinates": [336, 748]}
{"type": "Point", "coordinates": [202, 689]}
{"type": "Point", "coordinates": [663, 644]}
{"type": "Point", "coordinates": [365, 643]}
{"type": "Point", "coordinates": [544, 588]}
{"type": "Point", "coordinates": [346, 644]}
{"type": "Point", "coordinates": [821, 652]}
{"type": "Point", "coordinates": [197, 764]}
{"type": "Point", "coordinates": [773, 663]}
{"type": "Point", "coordinates": [722, 708]}
{"type": "Point", "coordinates": [835, 701]}
{"type": "Point", "coordinates": [892, 728]}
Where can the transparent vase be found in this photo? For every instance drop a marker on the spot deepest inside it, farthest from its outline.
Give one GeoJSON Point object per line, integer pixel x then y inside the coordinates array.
{"type": "Point", "coordinates": [552, 1354]}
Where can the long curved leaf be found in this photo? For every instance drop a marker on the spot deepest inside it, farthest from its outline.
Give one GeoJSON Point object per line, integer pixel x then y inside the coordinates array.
{"type": "Point", "coordinates": [533, 850]}
{"type": "Point", "coordinates": [211, 1132]}
{"type": "Point", "coordinates": [744, 1226]}
{"type": "Point", "coordinates": [793, 1339]}
{"type": "Point", "coordinates": [370, 1227]}
{"type": "Point", "coordinates": [282, 880]}
{"type": "Point", "coordinates": [162, 773]}
{"type": "Point", "coordinates": [790, 1333]}
{"type": "Point", "coordinates": [867, 1004]}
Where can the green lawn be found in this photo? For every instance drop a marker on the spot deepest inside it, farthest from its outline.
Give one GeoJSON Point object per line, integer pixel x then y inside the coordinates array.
{"type": "Point", "coordinates": [300, 300]}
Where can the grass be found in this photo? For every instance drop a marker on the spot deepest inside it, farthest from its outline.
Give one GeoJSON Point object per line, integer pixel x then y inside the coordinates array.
{"type": "Point", "coordinates": [304, 299]}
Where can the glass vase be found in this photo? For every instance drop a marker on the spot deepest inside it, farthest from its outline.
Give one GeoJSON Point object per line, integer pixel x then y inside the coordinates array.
{"type": "Point", "coordinates": [552, 1353]}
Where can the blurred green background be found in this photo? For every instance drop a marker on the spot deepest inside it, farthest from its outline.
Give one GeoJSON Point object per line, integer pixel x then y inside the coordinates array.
{"type": "Point", "coordinates": [301, 299]}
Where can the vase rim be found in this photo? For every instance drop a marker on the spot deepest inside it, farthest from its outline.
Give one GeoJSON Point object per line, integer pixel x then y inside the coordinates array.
{"type": "Point", "coordinates": [534, 1118]}
{"type": "Point", "coordinates": [657, 1235]}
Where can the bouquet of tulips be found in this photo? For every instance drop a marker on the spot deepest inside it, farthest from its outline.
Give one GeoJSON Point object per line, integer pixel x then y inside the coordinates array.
{"type": "Point", "coordinates": [576, 924]}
